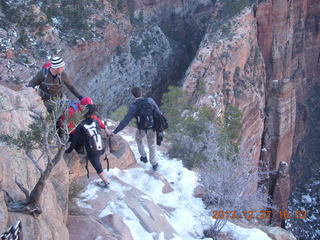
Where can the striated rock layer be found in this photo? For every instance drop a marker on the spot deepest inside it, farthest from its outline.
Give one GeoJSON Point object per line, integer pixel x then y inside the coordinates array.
{"type": "Point", "coordinates": [230, 65]}
{"type": "Point", "coordinates": [264, 61]}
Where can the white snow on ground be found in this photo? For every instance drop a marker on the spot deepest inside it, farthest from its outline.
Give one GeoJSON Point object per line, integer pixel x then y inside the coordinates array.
{"type": "Point", "coordinates": [190, 217]}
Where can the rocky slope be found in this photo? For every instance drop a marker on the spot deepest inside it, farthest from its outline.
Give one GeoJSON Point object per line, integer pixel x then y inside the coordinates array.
{"type": "Point", "coordinates": [14, 116]}
{"type": "Point", "coordinates": [143, 204]}
{"type": "Point", "coordinates": [271, 79]}
{"type": "Point", "coordinates": [265, 61]}
{"type": "Point", "coordinates": [149, 43]}
{"type": "Point", "coordinates": [15, 110]}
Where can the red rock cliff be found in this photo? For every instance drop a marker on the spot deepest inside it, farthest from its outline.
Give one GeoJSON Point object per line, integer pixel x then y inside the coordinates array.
{"type": "Point", "coordinates": [265, 62]}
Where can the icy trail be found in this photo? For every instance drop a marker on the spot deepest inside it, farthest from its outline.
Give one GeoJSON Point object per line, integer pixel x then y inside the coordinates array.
{"type": "Point", "coordinates": [188, 218]}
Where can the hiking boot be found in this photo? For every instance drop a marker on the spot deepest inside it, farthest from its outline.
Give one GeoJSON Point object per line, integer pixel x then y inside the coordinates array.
{"type": "Point", "coordinates": [155, 167]}
{"type": "Point", "coordinates": [103, 184]}
{"type": "Point", "coordinates": [144, 159]}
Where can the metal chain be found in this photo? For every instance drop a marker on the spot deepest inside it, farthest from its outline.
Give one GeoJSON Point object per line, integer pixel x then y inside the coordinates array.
{"type": "Point", "coordinates": [13, 233]}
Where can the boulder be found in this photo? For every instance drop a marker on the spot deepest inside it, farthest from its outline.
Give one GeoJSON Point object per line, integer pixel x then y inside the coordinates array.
{"type": "Point", "coordinates": [117, 224]}
{"type": "Point", "coordinates": [277, 233]}
{"type": "Point", "coordinates": [86, 227]}
{"type": "Point", "coordinates": [199, 191]}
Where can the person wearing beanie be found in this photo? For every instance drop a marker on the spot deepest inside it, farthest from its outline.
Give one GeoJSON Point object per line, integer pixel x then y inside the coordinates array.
{"type": "Point", "coordinates": [50, 80]}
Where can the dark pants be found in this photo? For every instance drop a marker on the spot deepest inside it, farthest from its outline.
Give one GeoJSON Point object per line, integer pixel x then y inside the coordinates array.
{"type": "Point", "coordinates": [95, 161]}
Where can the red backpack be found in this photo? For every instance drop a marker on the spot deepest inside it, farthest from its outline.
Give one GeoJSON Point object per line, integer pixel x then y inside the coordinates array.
{"type": "Point", "coordinates": [45, 68]}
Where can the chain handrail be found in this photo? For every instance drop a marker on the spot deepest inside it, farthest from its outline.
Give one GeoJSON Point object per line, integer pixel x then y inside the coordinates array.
{"type": "Point", "coordinates": [13, 233]}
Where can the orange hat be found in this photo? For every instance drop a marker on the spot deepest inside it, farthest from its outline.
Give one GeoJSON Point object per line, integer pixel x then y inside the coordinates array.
{"type": "Point", "coordinates": [86, 101]}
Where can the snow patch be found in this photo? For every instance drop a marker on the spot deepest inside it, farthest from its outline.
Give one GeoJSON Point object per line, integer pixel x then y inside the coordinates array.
{"type": "Point", "coordinates": [189, 217]}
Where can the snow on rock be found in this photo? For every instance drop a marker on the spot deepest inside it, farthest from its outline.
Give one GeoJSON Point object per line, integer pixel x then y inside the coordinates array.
{"type": "Point", "coordinates": [136, 195]}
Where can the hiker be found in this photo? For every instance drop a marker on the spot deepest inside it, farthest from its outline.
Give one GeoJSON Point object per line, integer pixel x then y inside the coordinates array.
{"type": "Point", "coordinates": [92, 132]}
{"type": "Point", "coordinates": [50, 80]}
{"type": "Point", "coordinates": [72, 108]}
{"type": "Point", "coordinates": [70, 111]}
{"type": "Point", "coordinates": [143, 110]}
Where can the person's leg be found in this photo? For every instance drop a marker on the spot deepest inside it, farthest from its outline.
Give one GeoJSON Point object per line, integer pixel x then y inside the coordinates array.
{"type": "Point", "coordinates": [95, 161]}
{"type": "Point", "coordinates": [103, 177]}
{"type": "Point", "coordinates": [139, 136]}
{"type": "Point", "coordinates": [151, 138]}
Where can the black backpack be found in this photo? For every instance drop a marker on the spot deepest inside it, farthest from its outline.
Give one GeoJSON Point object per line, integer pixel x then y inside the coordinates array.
{"type": "Point", "coordinates": [145, 111]}
{"type": "Point", "coordinates": [160, 122]}
{"type": "Point", "coordinates": [96, 135]}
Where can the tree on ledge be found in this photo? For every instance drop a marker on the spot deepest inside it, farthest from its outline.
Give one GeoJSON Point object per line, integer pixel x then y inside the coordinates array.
{"type": "Point", "coordinates": [42, 135]}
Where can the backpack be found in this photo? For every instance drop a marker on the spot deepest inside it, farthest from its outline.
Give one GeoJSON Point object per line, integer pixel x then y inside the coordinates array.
{"type": "Point", "coordinates": [97, 137]}
{"type": "Point", "coordinates": [160, 122]}
{"type": "Point", "coordinates": [145, 118]}
{"type": "Point", "coordinates": [45, 69]}
{"type": "Point", "coordinates": [73, 104]}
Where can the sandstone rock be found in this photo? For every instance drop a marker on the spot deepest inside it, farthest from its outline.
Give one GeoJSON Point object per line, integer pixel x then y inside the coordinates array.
{"type": "Point", "coordinates": [60, 182]}
{"type": "Point", "coordinates": [117, 224]}
{"type": "Point", "coordinates": [116, 144]}
{"type": "Point", "coordinates": [231, 67]}
{"type": "Point", "coordinates": [167, 187]}
{"type": "Point", "coordinates": [9, 53]}
{"type": "Point", "coordinates": [15, 116]}
{"type": "Point", "coordinates": [86, 227]}
{"type": "Point", "coordinates": [225, 236]}
{"type": "Point", "coordinates": [3, 213]}
{"type": "Point", "coordinates": [199, 191]}
{"type": "Point", "coordinates": [148, 213]}
{"type": "Point", "coordinates": [277, 233]}
{"type": "Point", "coordinates": [167, 210]}
{"type": "Point", "coordinates": [287, 31]}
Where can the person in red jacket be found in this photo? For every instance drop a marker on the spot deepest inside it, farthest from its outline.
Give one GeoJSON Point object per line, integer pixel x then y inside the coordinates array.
{"type": "Point", "coordinates": [72, 108]}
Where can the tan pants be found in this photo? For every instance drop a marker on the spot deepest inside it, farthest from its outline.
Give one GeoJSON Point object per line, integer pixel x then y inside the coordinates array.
{"type": "Point", "coordinates": [151, 140]}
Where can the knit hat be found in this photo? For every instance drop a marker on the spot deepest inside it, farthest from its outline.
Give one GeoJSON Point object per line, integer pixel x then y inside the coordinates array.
{"type": "Point", "coordinates": [86, 101]}
{"type": "Point", "coordinates": [57, 62]}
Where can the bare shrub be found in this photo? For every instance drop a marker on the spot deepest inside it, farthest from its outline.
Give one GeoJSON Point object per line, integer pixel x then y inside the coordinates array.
{"type": "Point", "coordinates": [42, 136]}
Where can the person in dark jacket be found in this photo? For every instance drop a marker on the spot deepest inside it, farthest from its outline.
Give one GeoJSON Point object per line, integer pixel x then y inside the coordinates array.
{"type": "Point", "coordinates": [80, 136]}
{"type": "Point", "coordinates": [150, 133]}
{"type": "Point", "coordinates": [51, 83]}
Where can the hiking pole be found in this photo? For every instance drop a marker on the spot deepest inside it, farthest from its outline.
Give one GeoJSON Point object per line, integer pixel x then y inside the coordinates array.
{"type": "Point", "coordinates": [107, 159]}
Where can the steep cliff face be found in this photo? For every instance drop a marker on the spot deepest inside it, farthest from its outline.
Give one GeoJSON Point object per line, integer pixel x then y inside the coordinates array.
{"type": "Point", "coordinates": [109, 47]}
{"type": "Point", "coordinates": [14, 116]}
{"type": "Point", "coordinates": [266, 63]}
{"type": "Point", "coordinates": [288, 33]}
{"type": "Point", "coordinates": [149, 44]}
{"type": "Point", "coordinates": [229, 69]}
